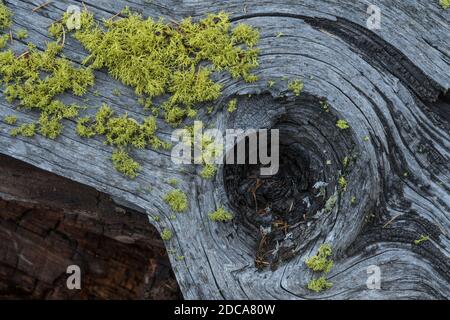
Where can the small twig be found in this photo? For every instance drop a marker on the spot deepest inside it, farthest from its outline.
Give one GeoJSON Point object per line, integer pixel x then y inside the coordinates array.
{"type": "Point", "coordinates": [64, 37]}
{"type": "Point", "coordinates": [292, 205]}
{"type": "Point", "coordinates": [11, 36]}
{"type": "Point", "coordinates": [42, 6]}
{"type": "Point", "coordinates": [116, 15]}
{"type": "Point", "coordinates": [84, 6]}
{"type": "Point", "coordinates": [23, 54]}
{"type": "Point", "coordinates": [390, 221]}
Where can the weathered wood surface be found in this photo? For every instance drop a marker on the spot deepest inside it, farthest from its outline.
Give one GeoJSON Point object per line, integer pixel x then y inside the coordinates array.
{"type": "Point", "coordinates": [389, 84]}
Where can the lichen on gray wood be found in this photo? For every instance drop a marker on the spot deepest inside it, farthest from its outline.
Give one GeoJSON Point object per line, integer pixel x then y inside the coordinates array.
{"type": "Point", "coordinates": [390, 85]}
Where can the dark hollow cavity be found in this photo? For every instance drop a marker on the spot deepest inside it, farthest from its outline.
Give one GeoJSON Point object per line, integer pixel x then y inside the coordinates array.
{"type": "Point", "coordinates": [273, 207]}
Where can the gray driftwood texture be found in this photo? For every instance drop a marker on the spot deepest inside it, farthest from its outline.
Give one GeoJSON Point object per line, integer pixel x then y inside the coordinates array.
{"type": "Point", "coordinates": [389, 84]}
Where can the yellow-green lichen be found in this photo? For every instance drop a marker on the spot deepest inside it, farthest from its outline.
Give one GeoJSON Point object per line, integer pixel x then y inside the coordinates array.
{"type": "Point", "coordinates": [319, 284]}
{"type": "Point", "coordinates": [22, 34]}
{"type": "Point", "coordinates": [422, 239]}
{"type": "Point", "coordinates": [220, 215]}
{"type": "Point", "coordinates": [445, 4]}
{"type": "Point", "coordinates": [177, 200]}
{"type": "Point", "coordinates": [26, 130]}
{"type": "Point", "coordinates": [158, 58]}
{"type": "Point", "coordinates": [166, 234]}
{"type": "Point", "coordinates": [342, 124]}
{"type": "Point", "coordinates": [232, 105]}
{"type": "Point", "coordinates": [343, 183]}
{"type": "Point", "coordinates": [321, 262]}
{"type": "Point", "coordinates": [173, 182]}
{"type": "Point", "coordinates": [11, 120]}
{"type": "Point", "coordinates": [325, 106]}
{"type": "Point", "coordinates": [5, 16]}
{"type": "Point", "coordinates": [208, 171]}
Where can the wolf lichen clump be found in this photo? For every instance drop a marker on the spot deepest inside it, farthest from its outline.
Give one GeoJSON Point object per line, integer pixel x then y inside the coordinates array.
{"type": "Point", "coordinates": [5, 16]}
{"type": "Point", "coordinates": [158, 58]}
{"type": "Point", "coordinates": [220, 215]}
{"type": "Point", "coordinates": [177, 200]}
{"type": "Point", "coordinates": [321, 262]}
{"type": "Point", "coordinates": [343, 183]}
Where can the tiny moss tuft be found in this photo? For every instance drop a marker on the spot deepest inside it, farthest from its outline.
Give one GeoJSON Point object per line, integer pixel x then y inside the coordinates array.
{"type": "Point", "coordinates": [232, 105]}
{"type": "Point", "coordinates": [11, 120]}
{"type": "Point", "coordinates": [321, 262]}
{"type": "Point", "coordinates": [173, 182]}
{"type": "Point", "coordinates": [319, 285]}
{"type": "Point", "coordinates": [177, 200]}
{"type": "Point", "coordinates": [342, 124]}
{"type": "Point", "coordinates": [208, 171]}
{"type": "Point", "coordinates": [220, 215]}
{"type": "Point", "coordinates": [343, 183]}
{"type": "Point", "coordinates": [158, 59]}
{"type": "Point", "coordinates": [166, 234]}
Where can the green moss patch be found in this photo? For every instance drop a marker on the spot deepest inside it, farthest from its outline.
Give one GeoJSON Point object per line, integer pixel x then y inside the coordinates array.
{"type": "Point", "coordinates": [177, 200]}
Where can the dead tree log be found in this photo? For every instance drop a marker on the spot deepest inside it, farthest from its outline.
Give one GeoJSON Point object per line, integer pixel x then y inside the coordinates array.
{"type": "Point", "coordinates": [390, 85]}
